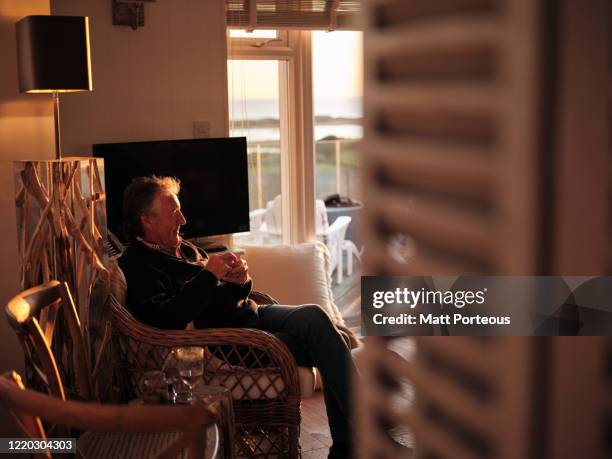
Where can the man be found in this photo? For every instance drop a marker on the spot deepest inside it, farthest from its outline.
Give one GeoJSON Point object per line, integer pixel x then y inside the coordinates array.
{"type": "Point", "coordinates": [171, 283]}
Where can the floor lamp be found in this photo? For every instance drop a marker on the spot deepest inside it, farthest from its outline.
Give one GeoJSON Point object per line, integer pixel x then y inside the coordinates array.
{"type": "Point", "coordinates": [53, 57]}
{"type": "Point", "coordinates": [60, 203]}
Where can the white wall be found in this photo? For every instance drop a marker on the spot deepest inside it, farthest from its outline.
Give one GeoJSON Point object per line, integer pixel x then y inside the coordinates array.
{"type": "Point", "coordinates": [26, 132]}
{"type": "Point", "coordinates": [152, 83]}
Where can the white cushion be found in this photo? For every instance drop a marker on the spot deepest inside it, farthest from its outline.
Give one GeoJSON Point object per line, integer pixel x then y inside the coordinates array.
{"type": "Point", "coordinates": [294, 274]}
{"type": "Point", "coordinates": [249, 388]}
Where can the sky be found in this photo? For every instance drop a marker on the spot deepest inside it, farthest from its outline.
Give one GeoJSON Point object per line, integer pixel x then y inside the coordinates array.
{"type": "Point", "coordinates": [337, 64]}
{"type": "Point", "coordinates": [337, 70]}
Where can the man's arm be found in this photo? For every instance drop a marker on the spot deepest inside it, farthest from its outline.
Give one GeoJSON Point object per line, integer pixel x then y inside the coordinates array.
{"type": "Point", "coordinates": [155, 301]}
{"type": "Point", "coordinates": [232, 293]}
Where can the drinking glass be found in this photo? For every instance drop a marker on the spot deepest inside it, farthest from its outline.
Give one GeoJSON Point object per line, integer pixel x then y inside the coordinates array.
{"type": "Point", "coordinates": [187, 372]}
{"type": "Point", "coordinates": [172, 377]}
{"type": "Point", "coordinates": [154, 388]}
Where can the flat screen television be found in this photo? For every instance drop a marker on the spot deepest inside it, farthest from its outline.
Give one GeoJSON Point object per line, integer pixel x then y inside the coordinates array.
{"type": "Point", "coordinates": [213, 173]}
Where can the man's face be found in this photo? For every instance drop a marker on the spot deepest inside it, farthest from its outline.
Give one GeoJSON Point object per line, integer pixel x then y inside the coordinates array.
{"type": "Point", "coordinates": [161, 225]}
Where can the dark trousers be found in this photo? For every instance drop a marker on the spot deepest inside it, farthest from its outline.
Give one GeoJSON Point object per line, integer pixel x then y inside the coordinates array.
{"type": "Point", "coordinates": [314, 341]}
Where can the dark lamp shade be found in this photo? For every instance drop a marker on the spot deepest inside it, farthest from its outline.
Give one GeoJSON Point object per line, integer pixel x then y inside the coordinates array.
{"type": "Point", "coordinates": [53, 54]}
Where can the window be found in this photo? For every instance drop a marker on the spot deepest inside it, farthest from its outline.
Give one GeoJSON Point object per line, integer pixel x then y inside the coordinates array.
{"type": "Point", "coordinates": [277, 120]}
{"type": "Point", "coordinates": [273, 85]}
{"type": "Point", "coordinates": [337, 81]}
{"type": "Point", "coordinates": [337, 91]}
{"type": "Point", "coordinates": [255, 94]}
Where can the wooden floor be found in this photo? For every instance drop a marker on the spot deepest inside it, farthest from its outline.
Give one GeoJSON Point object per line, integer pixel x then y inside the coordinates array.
{"type": "Point", "coordinates": [347, 297]}
{"type": "Point", "coordinates": [315, 438]}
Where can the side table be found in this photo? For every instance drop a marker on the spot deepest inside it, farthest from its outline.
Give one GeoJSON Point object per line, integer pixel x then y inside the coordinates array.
{"type": "Point", "coordinates": [145, 444]}
{"type": "Point", "coordinates": [220, 399]}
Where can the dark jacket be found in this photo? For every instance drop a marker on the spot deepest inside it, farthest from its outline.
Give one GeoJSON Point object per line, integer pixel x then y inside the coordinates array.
{"type": "Point", "coordinates": [167, 292]}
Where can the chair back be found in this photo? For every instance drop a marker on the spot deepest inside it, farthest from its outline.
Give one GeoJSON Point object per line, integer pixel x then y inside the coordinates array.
{"type": "Point", "coordinates": [334, 238]}
{"type": "Point", "coordinates": [321, 220]}
{"type": "Point", "coordinates": [48, 327]}
{"type": "Point", "coordinates": [273, 218]}
{"type": "Point", "coordinates": [29, 407]}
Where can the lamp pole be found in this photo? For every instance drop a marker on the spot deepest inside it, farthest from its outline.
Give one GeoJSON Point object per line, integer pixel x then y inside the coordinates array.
{"type": "Point", "coordinates": [56, 117]}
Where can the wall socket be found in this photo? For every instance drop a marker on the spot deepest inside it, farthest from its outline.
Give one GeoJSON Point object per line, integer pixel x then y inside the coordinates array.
{"type": "Point", "coordinates": [201, 129]}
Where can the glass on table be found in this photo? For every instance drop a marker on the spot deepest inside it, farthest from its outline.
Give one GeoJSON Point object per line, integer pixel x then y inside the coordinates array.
{"type": "Point", "coordinates": [184, 371]}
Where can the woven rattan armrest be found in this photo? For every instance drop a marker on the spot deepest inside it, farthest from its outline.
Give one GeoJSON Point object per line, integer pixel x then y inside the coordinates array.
{"type": "Point", "coordinates": [260, 352]}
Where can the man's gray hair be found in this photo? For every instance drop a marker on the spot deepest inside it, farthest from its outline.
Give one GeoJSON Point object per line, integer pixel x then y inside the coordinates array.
{"type": "Point", "coordinates": [138, 200]}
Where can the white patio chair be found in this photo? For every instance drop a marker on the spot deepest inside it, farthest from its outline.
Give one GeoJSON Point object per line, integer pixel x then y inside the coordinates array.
{"type": "Point", "coordinates": [351, 251]}
{"type": "Point", "coordinates": [333, 236]}
{"type": "Point", "coordinates": [256, 221]}
{"type": "Point", "coordinates": [334, 239]}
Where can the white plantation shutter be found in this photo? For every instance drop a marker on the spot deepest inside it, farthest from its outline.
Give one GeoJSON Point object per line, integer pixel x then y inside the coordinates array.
{"type": "Point", "coordinates": [502, 398]}
{"type": "Point", "coordinates": [451, 134]}
{"type": "Point", "coordinates": [487, 151]}
{"type": "Point", "coordinates": [301, 14]}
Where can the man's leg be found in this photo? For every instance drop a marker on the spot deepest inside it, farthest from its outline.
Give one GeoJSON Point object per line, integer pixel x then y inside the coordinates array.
{"type": "Point", "coordinates": [317, 335]}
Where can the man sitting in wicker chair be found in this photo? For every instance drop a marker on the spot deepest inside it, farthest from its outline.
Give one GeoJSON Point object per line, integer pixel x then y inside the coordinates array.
{"type": "Point", "coordinates": [172, 283]}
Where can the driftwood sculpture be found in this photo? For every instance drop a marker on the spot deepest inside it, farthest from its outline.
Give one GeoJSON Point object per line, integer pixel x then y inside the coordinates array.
{"type": "Point", "coordinates": [61, 219]}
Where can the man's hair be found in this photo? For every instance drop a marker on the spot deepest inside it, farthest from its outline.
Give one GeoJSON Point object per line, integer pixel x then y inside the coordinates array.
{"type": "Point", "coordinates": [138, 200]}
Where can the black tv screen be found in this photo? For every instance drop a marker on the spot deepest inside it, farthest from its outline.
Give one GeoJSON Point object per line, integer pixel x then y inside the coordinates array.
{"type": "Point", "coordinates": [213, 173]}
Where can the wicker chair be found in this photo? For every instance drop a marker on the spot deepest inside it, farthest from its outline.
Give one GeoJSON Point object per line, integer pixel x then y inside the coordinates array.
{"type": "Point", "coordinates": [254, 365]}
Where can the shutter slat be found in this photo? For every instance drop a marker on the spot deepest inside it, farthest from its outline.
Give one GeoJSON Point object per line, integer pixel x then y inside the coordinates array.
{"type": "Point", "coordinates": [473, 354]}
{"type": "Point", "coordinates": [435, 442]}
{"type": "Point", "coordinates": [461, 98]}
{"type": "Point", "coordinates": [425, 261]}
{"type": "Point", "coordinates": [389, 14]}
{"type": "Point", "coordinates": [445, 63]}
{"type": "Point", "coordinates": [459, 404]}
{"type": "Point", "coordinates": [431, 222]}
{"type": "Point", "coordinates": [452, 34]}
{"type": "Point", "coordinates": [466, 172]}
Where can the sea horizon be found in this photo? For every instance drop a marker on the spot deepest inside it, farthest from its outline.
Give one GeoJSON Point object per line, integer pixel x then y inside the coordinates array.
{"type": "Point", "coordinates": [257, 119]}
{"type": "Point", "coordinates": [257, 109]}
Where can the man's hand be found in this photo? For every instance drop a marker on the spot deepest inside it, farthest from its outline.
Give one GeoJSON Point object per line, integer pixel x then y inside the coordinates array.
{"type": "Point", "coordinates": [239, 273]}
{"type": "Point", "coordinates": [221, 264]}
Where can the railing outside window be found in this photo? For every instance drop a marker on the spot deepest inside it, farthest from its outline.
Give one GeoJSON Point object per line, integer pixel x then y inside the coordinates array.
{"type": "Point", "coordinates": [337, 170]}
